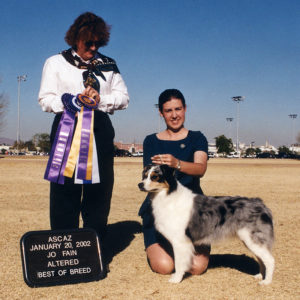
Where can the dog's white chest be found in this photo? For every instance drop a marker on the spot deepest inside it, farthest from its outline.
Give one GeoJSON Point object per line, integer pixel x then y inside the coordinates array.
{"type": "Point", "coordinates": [172, 212]}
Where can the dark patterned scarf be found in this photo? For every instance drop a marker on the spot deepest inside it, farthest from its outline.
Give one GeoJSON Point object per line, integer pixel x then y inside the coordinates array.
{"type": "Point", "coordinates": [93, 69]}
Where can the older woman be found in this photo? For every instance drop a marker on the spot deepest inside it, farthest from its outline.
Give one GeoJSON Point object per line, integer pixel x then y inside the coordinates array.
{"type": "Point", "coordinates": [67, 77]}
{"type": "Point", "coordinates": [187, 152]}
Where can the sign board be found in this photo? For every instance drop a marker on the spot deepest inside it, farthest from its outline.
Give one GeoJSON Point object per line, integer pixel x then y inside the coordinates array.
{"type": "Point", "coordinates": [55, 257]}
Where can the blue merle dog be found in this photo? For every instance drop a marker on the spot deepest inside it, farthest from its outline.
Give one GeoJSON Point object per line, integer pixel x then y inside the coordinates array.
{"type": "Point", "coordinates": [187, 220]}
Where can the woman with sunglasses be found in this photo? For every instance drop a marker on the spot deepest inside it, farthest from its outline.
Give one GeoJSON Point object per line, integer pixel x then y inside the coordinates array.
{"type": "Point", "coordinates": [67, 78]}
{"type": "Point", "coordinates": [187, 152]}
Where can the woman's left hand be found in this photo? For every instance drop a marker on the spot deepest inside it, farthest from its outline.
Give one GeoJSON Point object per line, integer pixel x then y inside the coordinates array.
{"type": "Point", "coordinates": [92, 93]}
{"type": "Point", "coordinates": [165, 159]}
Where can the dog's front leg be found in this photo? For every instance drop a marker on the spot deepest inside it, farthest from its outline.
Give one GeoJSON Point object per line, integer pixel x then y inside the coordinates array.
{"type": "Point", "coordinates": [183, 256]}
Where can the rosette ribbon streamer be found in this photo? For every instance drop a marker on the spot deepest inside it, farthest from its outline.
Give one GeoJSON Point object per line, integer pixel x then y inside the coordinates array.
{"type": "Point", "coordinates": [80, 154]}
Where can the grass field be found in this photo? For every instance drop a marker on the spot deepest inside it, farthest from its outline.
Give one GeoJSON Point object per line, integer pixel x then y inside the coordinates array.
{"type": "Point", "coordinates": [24, 207]}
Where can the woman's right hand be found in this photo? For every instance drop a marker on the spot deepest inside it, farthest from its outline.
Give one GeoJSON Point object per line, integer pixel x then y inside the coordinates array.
{"type": "Point", "coordinates": [165, 159]}
{"type": "Point", "coordinates": [92, 93]}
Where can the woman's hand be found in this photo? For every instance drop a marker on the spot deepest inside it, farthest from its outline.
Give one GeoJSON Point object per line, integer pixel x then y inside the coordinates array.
{"type": "Point", "coordinates": [165, 159]}
{"type": "Point", "coordinates": [196, 168]}
{"type": "Point", "coordinates": [92, 93]}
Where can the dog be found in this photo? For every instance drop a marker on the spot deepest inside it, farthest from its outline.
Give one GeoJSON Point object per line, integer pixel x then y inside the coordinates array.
{"type": "Point", "coordinates": [187, 219]}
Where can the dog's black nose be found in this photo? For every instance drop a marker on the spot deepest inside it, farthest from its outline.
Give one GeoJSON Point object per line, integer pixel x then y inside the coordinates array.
{"type": "Point", "coordinates": [141, 186]}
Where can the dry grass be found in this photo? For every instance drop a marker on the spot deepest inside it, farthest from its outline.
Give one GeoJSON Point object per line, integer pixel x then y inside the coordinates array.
{"type": "Point", "coordinates": [24, 207]}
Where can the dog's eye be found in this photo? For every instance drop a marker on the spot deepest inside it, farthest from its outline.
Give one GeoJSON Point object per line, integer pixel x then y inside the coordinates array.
{"type": "Point", "coordinates": [154, 177]}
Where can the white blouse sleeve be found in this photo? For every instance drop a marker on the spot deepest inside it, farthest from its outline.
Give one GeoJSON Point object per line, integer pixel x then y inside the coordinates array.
{"type": "Point", "coordinates": [49, 96]}
{"type": "Point", "coordinates": [118, 97]}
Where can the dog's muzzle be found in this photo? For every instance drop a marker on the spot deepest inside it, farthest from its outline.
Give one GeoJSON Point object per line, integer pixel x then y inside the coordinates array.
{"type": "Point", "coordinates": [141, 187]}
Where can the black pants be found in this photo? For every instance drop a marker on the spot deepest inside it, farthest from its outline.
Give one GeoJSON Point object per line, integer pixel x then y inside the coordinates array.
{"type": "Point", "coordinates": [67, 201]}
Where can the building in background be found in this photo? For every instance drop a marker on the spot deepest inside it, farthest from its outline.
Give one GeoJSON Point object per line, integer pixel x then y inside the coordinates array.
{"type": "Point", "coordinates": [133, 148]}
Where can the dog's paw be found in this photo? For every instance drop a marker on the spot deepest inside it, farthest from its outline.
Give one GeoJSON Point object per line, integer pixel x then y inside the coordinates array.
{"type": "Point", "coordinates": [265, 282]}
{"type": "Point", "coordinates": [176, 278]}
{"type": "Point", "coordinates": [258, 276]}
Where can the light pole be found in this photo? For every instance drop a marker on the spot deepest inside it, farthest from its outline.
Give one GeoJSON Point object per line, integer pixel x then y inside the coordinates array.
{"type": "Point", "coordinates": [20, 78]}
{"type": "Point", "coordinates": [229, 120]}
{"type": "Point", "coordinates": [293, 117]}
{"type": "Point", "coordinates": [237, 99]}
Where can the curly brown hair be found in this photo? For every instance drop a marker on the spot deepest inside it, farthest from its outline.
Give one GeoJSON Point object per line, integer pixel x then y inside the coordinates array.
{"type": "Point", "coordinates": [86, 27]}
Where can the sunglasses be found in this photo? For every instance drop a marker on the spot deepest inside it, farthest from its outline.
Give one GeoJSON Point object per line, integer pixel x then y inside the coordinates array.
{"type": "Point", "coordinates": [89, 44]}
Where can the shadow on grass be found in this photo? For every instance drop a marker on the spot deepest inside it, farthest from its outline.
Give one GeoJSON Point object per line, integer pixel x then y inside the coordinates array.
{"type": "Point", "coordinates": [242, 263]}
{"type": "Point", "coordinates": [121, 234]}
{"type": "Point", "coordinates": [118, 238]}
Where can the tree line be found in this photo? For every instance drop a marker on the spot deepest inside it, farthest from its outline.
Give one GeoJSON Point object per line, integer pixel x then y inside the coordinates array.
{"type": "Point", "coordinates": [225, 147]}
{"type": "Point", "coordinates": [39, 142]}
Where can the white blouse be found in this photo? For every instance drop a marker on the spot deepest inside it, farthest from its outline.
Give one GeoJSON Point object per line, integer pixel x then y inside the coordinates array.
{"type": "Point", "coordinates": [60, 77]}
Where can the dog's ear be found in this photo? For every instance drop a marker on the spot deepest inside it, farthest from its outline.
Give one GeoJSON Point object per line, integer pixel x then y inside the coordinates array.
{"type": "Point", "coordinates": [169, 175]}
{"type": "Point", "coordinates": [145, 170]}
{"type": "Point", "coordinates": [167, 171]}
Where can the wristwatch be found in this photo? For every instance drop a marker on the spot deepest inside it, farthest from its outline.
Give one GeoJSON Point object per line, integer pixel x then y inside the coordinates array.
{"type": "Point", "coordinates": [178, 165]}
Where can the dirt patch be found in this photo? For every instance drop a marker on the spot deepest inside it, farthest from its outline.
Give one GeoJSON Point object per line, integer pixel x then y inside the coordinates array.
{"type": "Point", "coordinates": [24, 207]}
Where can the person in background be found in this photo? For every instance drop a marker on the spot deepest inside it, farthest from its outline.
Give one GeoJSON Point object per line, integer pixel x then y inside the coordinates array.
{"type": "Point", "coordinates": [82, 70]}
{"type": "Point", "coordinates": [187, 152]}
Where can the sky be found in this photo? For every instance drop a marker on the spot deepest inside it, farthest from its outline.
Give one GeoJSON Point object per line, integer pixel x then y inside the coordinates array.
{"type": "Point", "coordinates": [211, 50]}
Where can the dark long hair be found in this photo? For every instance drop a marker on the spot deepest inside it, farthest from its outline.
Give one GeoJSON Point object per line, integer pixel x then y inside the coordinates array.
{"type": "Point", "coordinates": [167, 95]}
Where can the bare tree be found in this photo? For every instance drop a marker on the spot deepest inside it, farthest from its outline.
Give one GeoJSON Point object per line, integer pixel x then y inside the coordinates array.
{"type": "Point", "coordinates": [3, 108]}
{"type": "Point", "coordinates": [298, 138]}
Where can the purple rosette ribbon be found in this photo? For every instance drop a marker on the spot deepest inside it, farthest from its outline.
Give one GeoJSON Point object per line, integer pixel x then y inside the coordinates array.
{"type": "Point", "coordinates": [86, 101]}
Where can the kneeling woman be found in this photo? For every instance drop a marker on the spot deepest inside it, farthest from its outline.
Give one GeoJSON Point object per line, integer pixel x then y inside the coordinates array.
{"type": "Point", "coordinates": [186, 151]}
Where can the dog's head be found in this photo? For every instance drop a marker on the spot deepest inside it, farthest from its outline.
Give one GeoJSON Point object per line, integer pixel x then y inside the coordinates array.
{"type": "Point", "coordinates": [157, 178]}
